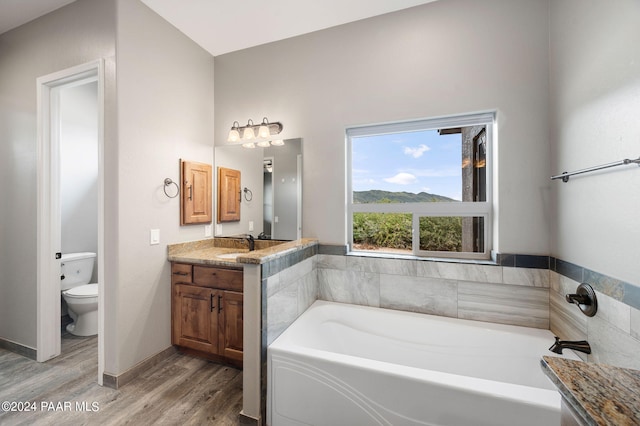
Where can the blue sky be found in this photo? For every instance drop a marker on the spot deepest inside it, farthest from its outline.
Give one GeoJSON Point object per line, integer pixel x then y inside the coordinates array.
{"type": "Point", "coordinates": [413, 162]}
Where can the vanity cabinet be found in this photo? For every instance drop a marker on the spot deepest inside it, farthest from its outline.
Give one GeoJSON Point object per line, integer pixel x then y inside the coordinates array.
{"type": "Point", "coordinates": [206, 306]}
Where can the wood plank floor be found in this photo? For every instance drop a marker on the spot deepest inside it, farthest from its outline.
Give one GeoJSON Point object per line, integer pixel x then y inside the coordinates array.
{"type": "Point", "coordinates": [181, 390]}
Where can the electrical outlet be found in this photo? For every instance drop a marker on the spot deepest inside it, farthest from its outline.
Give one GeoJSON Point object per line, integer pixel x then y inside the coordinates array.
{"type": "Point", "coordinates": [154, 237]}
{"type": "Point", "coordinates": [250, 225]}
{"type": "Point", "coordinates": [207, 230]}
{"type": "Point", "coordinates": [218, 229]}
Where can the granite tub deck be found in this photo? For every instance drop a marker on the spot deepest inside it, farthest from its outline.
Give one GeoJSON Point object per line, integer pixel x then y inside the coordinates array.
{"type": "Point", "coordinates": [207, 252]}
{"type": "Point", "coordinates": [601, 394]}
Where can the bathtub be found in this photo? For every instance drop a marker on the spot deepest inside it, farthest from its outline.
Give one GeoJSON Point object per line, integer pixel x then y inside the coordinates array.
{"type": "Point", "coordinates": [340, 364]}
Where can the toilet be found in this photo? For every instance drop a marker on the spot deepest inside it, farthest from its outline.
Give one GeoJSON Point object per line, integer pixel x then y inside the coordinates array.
{"type": "Point", "coordinates": [81, 297]}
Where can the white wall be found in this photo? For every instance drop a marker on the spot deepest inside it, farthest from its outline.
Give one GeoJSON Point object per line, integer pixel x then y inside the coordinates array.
{"type": "Point", "coordinates": [442, 58]}
{"type": "Point", "coordinates": [78, 33]}
{"type": "Point", "coordinates": [79, 169]}
{"type": "Point", "coordinates": [595, 87]}
{"type": "Point", "coordinates": [165, 112]}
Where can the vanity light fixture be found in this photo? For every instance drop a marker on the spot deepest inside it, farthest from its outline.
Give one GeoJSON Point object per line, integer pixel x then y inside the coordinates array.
{"type": "Point", "coordinates": [252, 131]}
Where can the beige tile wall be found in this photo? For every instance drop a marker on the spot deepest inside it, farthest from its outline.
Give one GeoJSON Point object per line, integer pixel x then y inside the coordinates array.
{"type": "Point", "coordinates": [613, 333]}
{"type": "Point", "coordinates": [518, 296]}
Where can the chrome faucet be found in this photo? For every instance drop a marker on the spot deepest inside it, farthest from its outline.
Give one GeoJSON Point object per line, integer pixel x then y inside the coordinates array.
{"type": "Point", "coordinates": [576, 345]}
{"type": "Point", "coordinates": [251, 241]}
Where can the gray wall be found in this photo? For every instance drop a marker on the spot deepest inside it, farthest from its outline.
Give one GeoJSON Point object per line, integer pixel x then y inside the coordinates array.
{"type": "Point", "coordinates": [249, 163]}
{"type": "Point", "coordinates": [596, 98]}
{"type": "Point", "coordinates": [442, 58]}
{"type": "Point", "coordinates": [165, 112]}
{"type": "Point", "coordinates": [594, 69]}
{"type": "Point", "coordinates": [79, 169]}
{"type": "Point", "coordinates": [80, 32]}
{"type": "Point", "coordinates": [285, 188]}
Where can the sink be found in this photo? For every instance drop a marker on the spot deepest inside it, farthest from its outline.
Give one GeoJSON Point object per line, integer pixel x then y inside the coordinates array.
{"type": "Point", "coordinates": [229, 255]}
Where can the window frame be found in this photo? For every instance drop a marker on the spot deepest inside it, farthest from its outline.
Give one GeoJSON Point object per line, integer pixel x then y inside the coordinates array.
{"type": "Point", "coordinates": [459, 208]}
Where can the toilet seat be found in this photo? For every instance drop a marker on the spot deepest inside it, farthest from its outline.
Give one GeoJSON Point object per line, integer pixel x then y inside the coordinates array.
{"type": "Point", "coordinates": [83, 291]}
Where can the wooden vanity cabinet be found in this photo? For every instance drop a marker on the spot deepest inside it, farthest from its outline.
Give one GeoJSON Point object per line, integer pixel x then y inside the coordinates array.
{"type": "Point", "coordinates": [206, 306]}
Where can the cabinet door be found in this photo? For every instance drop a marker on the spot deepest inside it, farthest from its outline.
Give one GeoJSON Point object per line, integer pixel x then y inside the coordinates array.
{"type": "Point", "coordinates": [228, 195]}
{"type": "Point", "coordinates": [195, 318]}
{"type": "Point", "coordinates": [231, 325]}
{"type": "Point", "coordinates": [195, 206]}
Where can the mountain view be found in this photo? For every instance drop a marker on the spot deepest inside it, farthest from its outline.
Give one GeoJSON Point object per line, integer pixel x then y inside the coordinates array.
{"type": "Point", "coordinates": [376, 196]}
{"type": "Point", "coordinates": [392, 231]}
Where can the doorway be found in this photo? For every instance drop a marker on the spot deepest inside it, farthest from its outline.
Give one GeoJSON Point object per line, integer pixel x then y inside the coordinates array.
{"type": "Point", "coordinates": [66, 150]}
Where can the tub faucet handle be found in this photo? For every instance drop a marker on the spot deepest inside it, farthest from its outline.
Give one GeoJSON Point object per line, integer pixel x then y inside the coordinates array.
{"type": "Point", "coordinates": [585, 299]}
{"type": "Point", "coordinates": [578, 299]}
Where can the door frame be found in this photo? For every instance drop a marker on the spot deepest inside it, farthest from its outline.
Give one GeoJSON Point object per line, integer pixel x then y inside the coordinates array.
{"type": "Point", "coordinates": [48, 206]}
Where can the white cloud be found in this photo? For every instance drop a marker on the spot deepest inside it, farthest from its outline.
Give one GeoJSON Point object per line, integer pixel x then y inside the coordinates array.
{"type": "Point", "coordinates": [416, 152]}
{"type": "Point", "coordinates": [402, 179]}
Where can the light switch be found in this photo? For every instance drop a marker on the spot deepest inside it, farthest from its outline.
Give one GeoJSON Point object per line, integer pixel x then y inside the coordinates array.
{"type": "Point", "coordinates": [207, 230]}
{"type": "Point", "coordinates": [275, 219]}
{"type": "Point", "coordinates": [218, 229]}
{"type": "Point", "coordinates": [154, 237]}
{"type": "Point", "coordinates": [250, 225]}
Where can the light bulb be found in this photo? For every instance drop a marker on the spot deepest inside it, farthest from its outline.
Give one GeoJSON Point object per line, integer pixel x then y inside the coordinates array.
{"type": "Point", "coordinates": [263, 144]}
{"type": "Point", "coordinates": [234, 135]}
{"type": "Point", "coordinates": [248, 134]}
{"type": "Point", "coordinates": [263, 131]}
{"type": "Point", "coordinates": [249, 145]}
{"type": "Point", "coordinates": [278, 142]}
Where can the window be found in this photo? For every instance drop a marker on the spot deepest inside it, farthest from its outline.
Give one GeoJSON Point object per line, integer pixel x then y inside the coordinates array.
{"type": "Point", "coordinates": [422, 187]}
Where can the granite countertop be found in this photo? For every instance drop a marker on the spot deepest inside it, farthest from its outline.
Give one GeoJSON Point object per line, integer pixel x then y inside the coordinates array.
{"type": "Point", "coordinates": [207, 252]}
{"type": "Point", "coordinates": [601, 394]}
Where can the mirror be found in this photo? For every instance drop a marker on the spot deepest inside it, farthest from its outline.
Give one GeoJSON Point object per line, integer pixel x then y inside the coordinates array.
{"type": "Point", "coordinates": [271, 190]}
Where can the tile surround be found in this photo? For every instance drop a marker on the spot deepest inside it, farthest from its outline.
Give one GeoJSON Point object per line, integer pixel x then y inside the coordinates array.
{"type": "Point", "coordinates": [505, 292]}
{"type": "Point", "coordinates": [424, 295]}
{"type": "Point", "coordinates": [485, 292]}
{"type": "Point", "coordinates": [612, 332]}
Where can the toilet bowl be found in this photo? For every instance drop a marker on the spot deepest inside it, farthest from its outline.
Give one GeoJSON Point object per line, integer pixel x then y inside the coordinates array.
{"type": "Point", "coordinates": [82, 305]}
{"type": "Point", "coordinates": [80, 296]}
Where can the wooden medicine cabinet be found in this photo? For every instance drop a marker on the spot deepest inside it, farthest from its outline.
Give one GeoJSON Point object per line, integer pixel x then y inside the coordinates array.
{"type": "Point", "coordinates": [195, 202]}
{"type": "Point", "coordinates": [228, 195]}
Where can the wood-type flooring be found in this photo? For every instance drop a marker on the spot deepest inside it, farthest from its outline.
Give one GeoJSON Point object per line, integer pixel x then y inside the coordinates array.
{"type": "Point", "coordinates": [181, 390]}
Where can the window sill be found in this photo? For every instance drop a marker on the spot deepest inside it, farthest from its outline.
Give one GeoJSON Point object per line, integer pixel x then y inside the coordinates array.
{"type": "Point", "coordinates": [427, 259]}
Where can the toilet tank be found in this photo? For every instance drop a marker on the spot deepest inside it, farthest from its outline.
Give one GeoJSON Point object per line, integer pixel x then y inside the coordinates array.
{"type": "Point", "coordinates": [77, 269]}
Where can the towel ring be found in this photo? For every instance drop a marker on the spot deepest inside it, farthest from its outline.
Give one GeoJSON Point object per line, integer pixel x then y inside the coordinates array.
{"type": "Point", "coordinates": [250, 194]}
{"type": "Point", "coordinates": [168, 182]}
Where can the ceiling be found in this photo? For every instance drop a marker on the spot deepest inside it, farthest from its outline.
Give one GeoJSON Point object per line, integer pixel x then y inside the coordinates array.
{"type": "Point", "coordinates": [222, 26]}
{"type": "Point", "coordinates": [14, 13]}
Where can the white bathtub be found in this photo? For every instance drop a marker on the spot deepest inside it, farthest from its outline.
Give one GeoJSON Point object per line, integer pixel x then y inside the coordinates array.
{"type": "Point", "coordinates": [352, 365]}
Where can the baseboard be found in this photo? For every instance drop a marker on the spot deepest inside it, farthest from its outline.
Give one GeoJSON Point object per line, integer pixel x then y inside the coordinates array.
{"type": "Point", "coordinates": [245, 420]}
{"type": "Point", "coordinates": [19, 349]}
{"type": "Point", "coordinates": [117, 381]}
